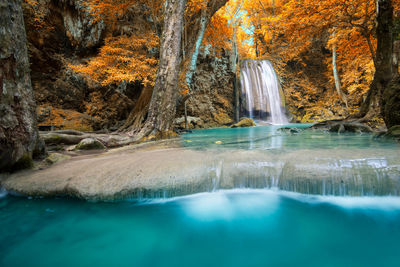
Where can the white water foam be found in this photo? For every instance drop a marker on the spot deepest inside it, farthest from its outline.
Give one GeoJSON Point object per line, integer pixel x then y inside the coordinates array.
{"type": "Point", "coordinates": [218, 201]}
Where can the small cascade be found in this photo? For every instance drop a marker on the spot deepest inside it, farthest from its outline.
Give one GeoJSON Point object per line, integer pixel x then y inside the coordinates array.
{"type": "Point", "coordinates": [262, 92]}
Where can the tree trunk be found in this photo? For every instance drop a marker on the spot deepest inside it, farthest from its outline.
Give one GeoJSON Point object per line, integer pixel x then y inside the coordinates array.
{"type": "Point", "coordinates": [163, 102]}
{"type": "Point", "coordinates": [18, 130]}
{"type": "Point", "coordinates": [372, 106]}
{"type": "Point", "coordinates": [337, 78]}
{"type": "Point", "coordinates": [236, 90]}
{"type": "Point", "coordinates": [390, 81]}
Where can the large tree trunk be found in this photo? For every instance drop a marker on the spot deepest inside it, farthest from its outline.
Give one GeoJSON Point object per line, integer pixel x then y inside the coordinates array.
{"type": "Point", "coordinates": [372, 106]}
{"type": "Point", "coordinates": [190, 48]}
{"type": "Point", "coordinates": [18, 131]}
{"type": "Point", "coordinates": [163, 102]}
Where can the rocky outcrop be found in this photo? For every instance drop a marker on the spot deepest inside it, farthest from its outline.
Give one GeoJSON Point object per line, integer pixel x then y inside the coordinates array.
{"type": "Point", "coordinates": [212, 96]}
{"type": "Point", "coordinates": [18, 130]}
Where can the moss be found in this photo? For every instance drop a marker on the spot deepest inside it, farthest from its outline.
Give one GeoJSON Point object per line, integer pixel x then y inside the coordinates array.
{"type": "Point", "coordinates": [25, 162]}
{"type": "Point", "coordinates": [89, 144]}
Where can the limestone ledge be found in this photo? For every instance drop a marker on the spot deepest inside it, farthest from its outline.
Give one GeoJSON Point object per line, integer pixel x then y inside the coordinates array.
{"type": "Point", "coordinates": [163, 170]}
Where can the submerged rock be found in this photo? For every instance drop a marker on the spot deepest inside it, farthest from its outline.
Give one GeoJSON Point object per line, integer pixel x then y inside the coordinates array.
{"type": "Point", "coordinates": [290, 130]}
{"type": "Point", "coordinates": [247, 122]}
{"type": "Point", "coordinates": [89, 144]}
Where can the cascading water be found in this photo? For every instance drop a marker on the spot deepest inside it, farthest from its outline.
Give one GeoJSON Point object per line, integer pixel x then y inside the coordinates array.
{"type": "Point", "coordinates": [260, 87]}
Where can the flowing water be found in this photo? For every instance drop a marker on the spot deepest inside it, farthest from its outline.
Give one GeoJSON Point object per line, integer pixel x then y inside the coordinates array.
{"type": "Point", "coordinates": [261, 92]}
{"type": "Point", "coordinates": [348, 214]}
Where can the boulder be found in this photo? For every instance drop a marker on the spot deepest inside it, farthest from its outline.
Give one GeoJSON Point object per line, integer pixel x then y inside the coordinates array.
{"type": "Point", "coordinates": [89, 144]}
{"type": "Point", "coordinates": [247, 122]}
{"type": "Point", "coordinates": [192, 122]}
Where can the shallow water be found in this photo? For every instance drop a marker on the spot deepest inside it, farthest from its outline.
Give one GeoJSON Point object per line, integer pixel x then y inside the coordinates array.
{"type": "Point", "coordinates": [225, 228]}
{"type": "Point", "coordinates": [274, 138]}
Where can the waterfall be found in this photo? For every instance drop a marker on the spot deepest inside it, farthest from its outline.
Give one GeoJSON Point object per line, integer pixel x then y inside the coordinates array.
{"type": "Point", "coordinates": [261, 91]}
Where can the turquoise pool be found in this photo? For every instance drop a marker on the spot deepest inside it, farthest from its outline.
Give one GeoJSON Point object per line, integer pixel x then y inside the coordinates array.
{"type": "Point", "coordinates": [225, 228]}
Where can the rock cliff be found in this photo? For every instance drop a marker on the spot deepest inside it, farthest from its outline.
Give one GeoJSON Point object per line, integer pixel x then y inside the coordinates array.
{"type": "Point", "coordinates": [18, 131]}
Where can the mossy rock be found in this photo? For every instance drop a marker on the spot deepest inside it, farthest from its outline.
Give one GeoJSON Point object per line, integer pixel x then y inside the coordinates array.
{"type": "Point", "coordinates": [246, 122]}
{"type": "Point", "coordinates": [54, 158]}
{"type": "Point", "coordinates": [89, 144]}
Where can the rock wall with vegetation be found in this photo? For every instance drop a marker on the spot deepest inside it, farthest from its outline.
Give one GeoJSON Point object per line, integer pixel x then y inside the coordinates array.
{"type": "Point", "coordinates": [66, 34]}
{"type": "Point", "coordinates": [211, 103]}
{"type": "Point", "coordinates": [62, 34]}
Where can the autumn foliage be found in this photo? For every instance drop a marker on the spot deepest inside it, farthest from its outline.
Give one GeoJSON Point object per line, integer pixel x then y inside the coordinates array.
{"type": "Point", "coordinates": [123, 58]}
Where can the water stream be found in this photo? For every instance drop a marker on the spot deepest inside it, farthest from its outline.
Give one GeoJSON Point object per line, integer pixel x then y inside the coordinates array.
{"type": "Point", "coordinates": [262, 92]}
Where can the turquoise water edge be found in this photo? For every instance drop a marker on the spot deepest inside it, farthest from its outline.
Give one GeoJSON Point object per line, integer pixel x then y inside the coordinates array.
{"type": "Point", "coordinates": [238, 227]}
